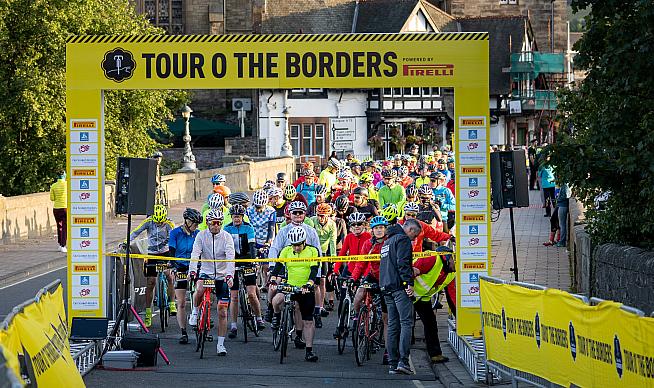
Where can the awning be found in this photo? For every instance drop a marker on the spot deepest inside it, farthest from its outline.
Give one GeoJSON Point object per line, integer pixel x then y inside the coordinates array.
{"type": "Point", "coordinates": [198, 127]}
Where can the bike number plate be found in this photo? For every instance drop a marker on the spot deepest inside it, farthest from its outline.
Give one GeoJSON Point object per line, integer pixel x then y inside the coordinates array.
{"type": "Point", "coordinates": [181, 275]}
{"type": "Point", "coordinates": [209, 283]}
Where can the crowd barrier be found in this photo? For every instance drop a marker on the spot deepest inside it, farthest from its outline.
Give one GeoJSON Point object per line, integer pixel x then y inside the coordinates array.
{"type": "Point", "coordinates": [37, 332]}
{"type": "Point", "coordinates": [546, 337]}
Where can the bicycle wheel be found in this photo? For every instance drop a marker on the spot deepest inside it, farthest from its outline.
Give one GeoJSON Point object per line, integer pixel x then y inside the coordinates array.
{"type": "Point", "coordinates": [277, 336]}
{"type": "Point", "coordinates": [343, 323]}
{"type": "Point", "coordinates": [242, 305]}
{"type": "Point", "coordinates": [360, 337]}
{"type": "Point", "coordinates": [284, 335]}
{"type": "Point", "coordinates": [205, 328]}
{"type": "Point", "coordinates": [162, 301]}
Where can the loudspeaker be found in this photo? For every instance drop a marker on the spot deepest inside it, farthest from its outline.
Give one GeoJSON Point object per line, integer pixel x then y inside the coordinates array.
{"type": "Point", "coordinates": [146, 344]}
{"type": "Point", "coordinates": [509, 179]}
{"type": "Point", "coordinates": [135, 185]}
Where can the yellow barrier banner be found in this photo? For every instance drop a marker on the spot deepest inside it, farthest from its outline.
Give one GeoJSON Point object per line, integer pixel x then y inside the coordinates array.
{"type": "Point", "coordinates": [10, 347]}
{"type": "Point", "coordinates": [556, 336]}
{"type": "Point", "coordinates": [43, 334]}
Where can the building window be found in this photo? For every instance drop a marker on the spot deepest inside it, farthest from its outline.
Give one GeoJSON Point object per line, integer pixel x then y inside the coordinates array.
{"type": "Point", "coordinates": [295, 139]}
{"type": "Point", "coordinates": [508, 1]}
{"type": "Point", "coordinates": [320, 139]}
{"type": "Point", "coordinates": [166, 14]}
{"type": "Point", "coordinates": [308, 139]}
{"type": "Point", "coordinates": [307, 93]}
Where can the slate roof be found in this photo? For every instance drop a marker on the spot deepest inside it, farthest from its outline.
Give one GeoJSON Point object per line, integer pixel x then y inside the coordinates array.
{"type": "Point", "coordinates": [391, 15]}
{"type": "Point", "coordinates": [307, 16]}
{"type": "Point", "coordinates": [502, 32]}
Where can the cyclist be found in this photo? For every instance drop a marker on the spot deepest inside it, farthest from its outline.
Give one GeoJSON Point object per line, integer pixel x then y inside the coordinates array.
{"type": "Point", "coordinates": [243, 235]}
{"type": "Point", "coordinates": [343, 208]}
{"type": "Point", "coordinates": [443, 196]}
{"type": "Point", "coordinates": [327, 177]}
{"type": "Point", "coordinates": [355, 167]}
{"type": "Point", "coordinates": [441, 167]}
{"type": "Point", "coordinates": [309, 187]}
{"type": "Point", "coordinates": [326, 229]}
{"type": "Point", "coordinates": [369, 270]}
{"type": "Point", "coordinates": [180, 245]}
{"type": "Point", "coordinates": [291, 195]}
{"type": "Point", "coordinates": [403, 177]}
{"type": "Point", "coordinates": [423, 175]}
{"type": "Point", "coordinates": [216, 201]}
{"type": "Point", "coordinates": [213, 244]}
{"type": "Point", "coordinates": [263, 219]}
{"type": "Point", "coordinates": [218, 180]}
{"type": "Point", "coordinates": [365, 181]}
{"type": "Point", "coordinates": [239, 198]}
{"type": "Point", "coordinates": [158, 227]}
{"type": "Point", "coordinates": [352, 245]}
{"type": "Point", "coordinates": [282, 180]}
{"type": "Point", "coordinates": [411, 210]}
{"type": "Point", "coordinates": [362, 204]}
{"type": "Point", "coordinates": [411, 193]}
{"type": "Point", "coordinates": [391, 213]}
{"type": "Point", "coordinates": [428, 211]}
{"type": "Point", "coordinates": [300, 179]}
{"type": "Point", "coordinates": [321, 194]}
{"type": "Point", "coordinates": [299, 274]}
{"type": "Point", "coordinates": [344, 187]}
{"type": "Point", "coordinates": [391, 192]}
{"type": "Point", "coordinates": [277, 202]}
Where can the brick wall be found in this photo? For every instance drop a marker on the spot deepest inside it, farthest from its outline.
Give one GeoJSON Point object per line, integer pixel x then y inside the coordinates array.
{"type": "Point", "coordinates": [539, 13]}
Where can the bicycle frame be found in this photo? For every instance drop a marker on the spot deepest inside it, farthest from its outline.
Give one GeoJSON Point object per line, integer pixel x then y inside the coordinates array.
{"type": "Point", "coordinates": [162, 295]}
{"type": "Point", "coordinates": [204, 322]}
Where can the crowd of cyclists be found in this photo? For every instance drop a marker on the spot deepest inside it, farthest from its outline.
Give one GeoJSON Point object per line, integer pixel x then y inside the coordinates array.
{"type": "Point", "coordinates": [344, 210]}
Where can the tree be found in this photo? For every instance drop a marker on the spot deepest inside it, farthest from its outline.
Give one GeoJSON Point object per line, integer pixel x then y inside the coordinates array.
{"type": "Point", "coordinates": [33, 89]}
{"type": "Point", "coordinates": [610, 144]}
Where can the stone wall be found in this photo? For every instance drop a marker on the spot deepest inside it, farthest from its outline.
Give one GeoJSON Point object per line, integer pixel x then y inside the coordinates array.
{"type": "Point", "coordinates": [624, 274]}
{"type": "Point", "coordinates": [205, 158]}
{"type": "Point", "coordinates": [245, 146]}
{"type": "Point", "coordinates": [30, 216]}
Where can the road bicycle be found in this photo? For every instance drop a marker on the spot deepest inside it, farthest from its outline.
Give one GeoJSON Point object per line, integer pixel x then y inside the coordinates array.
{"type": "Point", "coordinates": [367, 338]}
{"type": "Point", "coordinates": [246, 312]}
{"type": "Point", "coordinates": [204, 319]}
{"type": "Point", "coordinates": [287, 323]}
{"type": "Point", "coordinates": [162, 295]}
{"type": "Point", "coordinates": [346, 313]}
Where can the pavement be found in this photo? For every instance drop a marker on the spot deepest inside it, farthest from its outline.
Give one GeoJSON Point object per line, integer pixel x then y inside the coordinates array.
{"type": "Point", "coordinates": [547, 266]}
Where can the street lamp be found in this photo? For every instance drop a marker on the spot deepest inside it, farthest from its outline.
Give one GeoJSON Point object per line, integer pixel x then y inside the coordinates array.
{"type": "Point", "coordinates": [287, 149]}
{"type": "Point", "coordinates": [188, 163]}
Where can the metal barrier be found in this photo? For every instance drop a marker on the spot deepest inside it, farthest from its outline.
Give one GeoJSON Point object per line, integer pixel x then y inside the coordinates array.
{"type": "Point", "coordinates": [471, 352]}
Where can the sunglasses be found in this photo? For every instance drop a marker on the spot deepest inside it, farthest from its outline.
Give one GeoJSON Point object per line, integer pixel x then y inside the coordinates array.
{"type": "Point", "coordinates": [358, 224]}
{"type": "Point", "coordinates": [434, 180]}
{"type": "Point", "coordinates": [410, 214]}
{"type": "Point", "coordinates": [297, 213]}
{"type": "Point", "coordinates": [215, 223]}
{"type": "Point", "coordinates": [298, 244]}
{"type": "Point", "coordinates": [358, 197]}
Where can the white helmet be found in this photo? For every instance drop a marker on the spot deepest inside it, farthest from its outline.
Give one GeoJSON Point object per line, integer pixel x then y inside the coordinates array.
{"type": "Point", "coordinates": [411, 207]}
{"type": "Point", "coordinates": [275, 192]}
{"type": "Point", "coordinates": [216, 201]}
{"type": "Point", "coordinates": [297, 235]}
{"type": "Point", "coordinates": [215, 214]}
{"type": "Point", "coordinates": [260, 198]}
{"type": "Point", "coordinates": [356, 218]}
{"type": "Point", "coordinates": [297, 205]}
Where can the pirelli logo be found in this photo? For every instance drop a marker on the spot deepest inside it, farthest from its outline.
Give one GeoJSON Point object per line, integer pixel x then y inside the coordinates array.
{"type": "Point", "coordinates": [83, 172]}
{"type": "Point", "coordinates": [85, 268]}
{"type": "Point", "coordinates": [472, 170]}
{"type": "Point", "coordinates": [474, 265]}
{"type": "Point", "coordinates": [475, 121]}
{"type": "Point", "coordinates": [83, 220]}
{"type": "Point", "coordinates": [473, 218]}
{"type": "Point", "coordinates": [427, 70]}
{"type": "Point", "coordinates": [86, 124]}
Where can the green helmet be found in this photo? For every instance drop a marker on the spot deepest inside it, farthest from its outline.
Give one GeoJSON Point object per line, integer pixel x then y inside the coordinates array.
{"type": "Point", "coordinates": [160, 213]}
{"type": "Point", "coordinates": [390, 212]}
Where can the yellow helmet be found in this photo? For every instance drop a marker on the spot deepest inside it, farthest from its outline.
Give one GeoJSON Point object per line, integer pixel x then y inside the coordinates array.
{"type": "Point", "coordinates": [160, 213]}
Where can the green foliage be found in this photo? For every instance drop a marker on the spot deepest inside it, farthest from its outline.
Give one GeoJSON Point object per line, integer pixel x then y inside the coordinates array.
{"type": "Point", "coordinates": [33, 89]}
{"type": "Point", "coordinates": [611, 144]}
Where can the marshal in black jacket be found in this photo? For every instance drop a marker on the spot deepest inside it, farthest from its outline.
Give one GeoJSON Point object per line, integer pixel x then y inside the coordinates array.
{"type": "Point", "coordinates": [395, 271]}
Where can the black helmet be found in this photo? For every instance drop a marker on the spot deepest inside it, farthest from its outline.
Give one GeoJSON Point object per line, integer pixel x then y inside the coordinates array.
{"type": "Point", "coordinates": [237, 210]}
{"type": "Point", "coordinates": [192, 215]}
{"type": "Point", "coordinates": [342, 203]}
{"type": "Point", "coordinates": [281, 176]}
{"type": "Point", "coordinates": [411, 190]}
{"type": "Point", "coordinates": [361, 191]}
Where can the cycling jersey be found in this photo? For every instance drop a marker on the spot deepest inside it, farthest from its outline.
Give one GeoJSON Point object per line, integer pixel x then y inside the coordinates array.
{"type": "Point", "coordinates": [326, 234]}
{"type": "Point", "coordinates": [419, 181]}
{"type": "Point", "coordinates": [308, 191]}
{"type": "Point", "coordinates": [395, 195]}
{"type": "Point", "coordinates": [352, 245]}
{"type": "Point", "coordinates": [226, 220]}
{"type": "Point", "coordinates": [158, 234]}
{"type": "Point", "coordinates": [365, 268]}
{"type": "Point", "coordinates": [446, 199]}
{"type": "Point", "coordinates": [369, 209]}
{"type": "Point", "coordinates": [244, 240]}
{"type": "Point", "coordinates": [404, 182]}
{"type": "Point", "coordinates": [209, 246]}
{"type": "Point", "coordinates": [182, 244]}
{"type": "Point", "coordinates": [279, 210]}
{"type": "Point", "coordinates": [327, 179]}
{"type": "Point", "coordinates": [300, 272]}
{"type": "Point", "coordinates": [281, 240]}
{"type": "Point", "coordinates": [263, 223]}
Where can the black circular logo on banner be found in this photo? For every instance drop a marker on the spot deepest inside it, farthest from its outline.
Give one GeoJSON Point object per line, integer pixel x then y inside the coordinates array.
{"type": "Point", "coordinates": [618, 355]}
{"type": "Point", "coordinates": [573, 342]}
{"type": "Point", "coordinates": [118, 65]}
{"type": "Point", "coordinates": [537, 329]}
{"type": "Point", "coordinates": [503, 323]}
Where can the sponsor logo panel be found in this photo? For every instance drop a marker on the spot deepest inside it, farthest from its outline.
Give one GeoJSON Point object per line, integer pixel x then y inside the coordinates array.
{"type": "Point", "coordinates": [83, 148]}
{"type": "Point", "coordinates": [472, 134]}
{"type": "Point", "coordinates": [90, 209]}
{"type": "Point", "coordinates": [470, 146]}
{"type": "Point", "coordinates": [85, 244]}
{"type": "Point", "coordinates": [83, 125]}
{"type": "Point", "coordinates": [86, 304]}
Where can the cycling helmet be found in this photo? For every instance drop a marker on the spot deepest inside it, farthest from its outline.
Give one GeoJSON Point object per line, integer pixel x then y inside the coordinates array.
{"type": "Point", "coordinates": [324, 209]}
{"type": "Point", "coordinates": [378, 221]}
{"type": "Point", "coordinates": [297, 235]}
{"type": "Point", "coordinates": [237, 210]}
{"type": "Point", "coordinates": [307, 166]}
{"type": "Point", "coordinates": [333, 163]}
{"type": "Point", "coordinates": [425, 190]}
{"type": "Point", "coordinates": [398, 157]}
{"type": "Point", "coordinates": [366, 177]}
{"type": "Point", "coordinates": [275, 192]}
{"type": "Point", "coordinates": [342, 203]}
{"type": "Point", "coordinates": [441, 161]}
{"type": "Point", "coordinates": [356, 218]}
{"type": "Point", "coordinates": [297, 205]}
{"type": "Point", "coordinates": [343, 174]}
{"type": "Point", "coordinates": [215, 214]}
{"type": "Point", "coordinates": [411, 190]}
{"type": "Point", "coordinates": [450, 160]}
{"type": "Point", "coordinates": [260, 198]}
{"type": "Point", "coordinates": [216, 201]}
{"type": "Point", "coordinates": [321, 190]}
{"type": "Point", "coordinates": [411, 207]}
{"type": "Point", "coordinates": [361, 191]}
{"type": "Point", "coordinates": [390, 212]}
{"type": "Point", "coordinates": [239, 198]}
{"type": "Point", "coordinates": [192, 215]}
{"type": "Point", "coordinates": [268, 185]}
{"type": "Point", "coordinates": [403, 171]}
{"type": "Point", "coordinates": [289, 192]}
{"type": "Point", "coordinates": [309, 172]}
{"type": "Point", "coordinates": [281, 176]}
{"type": "Point", "coordinates": [222, 190]}
{"type": "Point", "coordinates": [160, 213]}
{"type": "Point", "coordinates": [218, 179]}
{"type": "Point", "coordinates": [392, 173]}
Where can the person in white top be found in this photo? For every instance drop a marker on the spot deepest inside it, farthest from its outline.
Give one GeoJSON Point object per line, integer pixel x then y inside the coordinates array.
{"type": "Point", "coordinates": [213, 243]}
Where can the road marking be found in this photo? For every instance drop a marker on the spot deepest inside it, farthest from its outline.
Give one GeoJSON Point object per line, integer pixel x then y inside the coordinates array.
{"type": "Point", "coordinates": [32, 277]}
{"type": "Point", "coordinates": [418, 383]}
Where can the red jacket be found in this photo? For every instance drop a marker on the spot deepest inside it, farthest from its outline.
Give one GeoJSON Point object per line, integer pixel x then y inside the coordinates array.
{"type": "Point", "coordinates": [406, 181]}
{"type": "Point", "coordinates": [429, 232]}
{"type": "Point", "coordinates": [451, 185]}
{"type": "Point", "coordinates": [363, 268]}
{"type": "Point", "coordinates": [338, 190]}
{"type": "Point", "coordinates": [298, 181]}
{"type": "Point", "coordinates": [352, 245]}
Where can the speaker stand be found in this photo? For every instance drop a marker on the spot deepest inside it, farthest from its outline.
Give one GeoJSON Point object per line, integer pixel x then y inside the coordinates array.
{"type": "Point", "coordinates": [515, 256]}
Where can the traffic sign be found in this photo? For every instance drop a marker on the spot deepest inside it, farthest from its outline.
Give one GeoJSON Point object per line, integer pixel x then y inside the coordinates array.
{"type": "Point", "coordinates": [342, 145]}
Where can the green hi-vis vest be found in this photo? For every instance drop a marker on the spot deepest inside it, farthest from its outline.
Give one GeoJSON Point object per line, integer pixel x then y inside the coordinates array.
{"type": "Point", "coordinates": [425, 285]}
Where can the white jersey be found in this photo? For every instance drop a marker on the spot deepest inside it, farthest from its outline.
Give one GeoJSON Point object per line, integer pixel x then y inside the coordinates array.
{"type": "Point", "coordinates": [211, 246]}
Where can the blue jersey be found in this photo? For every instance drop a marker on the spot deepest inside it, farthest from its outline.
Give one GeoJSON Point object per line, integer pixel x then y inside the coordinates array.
{"type": "Point", "coordinates": [243, 236]}
{"type": "Point", "coordinates": [308, 191]}
{"type": "Point", "coordinates": [182, 242]}
{"type": "Point", "coordinates": [447, 202]}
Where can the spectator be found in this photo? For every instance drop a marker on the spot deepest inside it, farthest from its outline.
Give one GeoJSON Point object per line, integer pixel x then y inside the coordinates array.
{"type": "Point", "coordinates": [546, 175]}
{"type": "Point", "coordinates": [563, 203]}
{"type": "Point", "coordinates": [59, 195]}
{"type": "Point", "coordinates": [533, 165]}
{"type": "Point", "coordinates": [396, 282]}
{"type": "Point", "coordinates": [333, 156]}
{"type": "Point", "coordinates": [555, 230]}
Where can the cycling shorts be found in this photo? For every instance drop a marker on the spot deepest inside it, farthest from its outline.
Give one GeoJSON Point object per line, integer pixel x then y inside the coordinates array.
{"type": "Point", "coordinates": [150, 267]}
{"type": "Point", "coordinates": [249, 278]}
{"type": "Point", "coordinates": [181, 282]}
{"type": "Point", "coordinates": [307, 303]}
{"type": "Point", "coordinates": [221, 290]}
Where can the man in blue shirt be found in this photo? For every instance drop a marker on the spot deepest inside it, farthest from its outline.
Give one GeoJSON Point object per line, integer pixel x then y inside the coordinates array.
{"type": "Point", "coordinates": [308, 187]}
{"type": "Point", "coordinates": [180, 246]}
{"type": "Point", "coordinates": [442, 168]}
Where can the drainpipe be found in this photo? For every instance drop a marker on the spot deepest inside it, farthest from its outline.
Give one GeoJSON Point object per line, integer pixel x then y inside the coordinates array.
{"type": "Point", "coordinates": [356, 16]}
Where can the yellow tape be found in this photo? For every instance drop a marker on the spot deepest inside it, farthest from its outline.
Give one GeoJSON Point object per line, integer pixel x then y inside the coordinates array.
{"type": "Point", "coordinates": [328, 259]}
